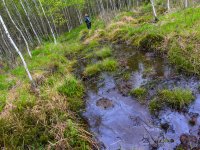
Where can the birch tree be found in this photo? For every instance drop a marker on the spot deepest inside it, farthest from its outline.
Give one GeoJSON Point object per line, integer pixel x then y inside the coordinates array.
{"type": "Point", "coordinates": [26, 43]}
{"type": "Point", "coordinates": [15, 47]}
{"type": "Point", "coordinates": [168, 5]}
{"type": "Point", "coordinates": [154, 10]}
{"type": "Point", "coordinates": [27, 15]}
{"type": "Point", "coordinates": [48, 23]}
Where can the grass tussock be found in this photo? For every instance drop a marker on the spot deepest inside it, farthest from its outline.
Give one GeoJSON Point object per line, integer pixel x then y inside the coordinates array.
{"type": "Point", "coordinates": [176, 99]}
{"type": "Point", "coordinates": [107, 64]}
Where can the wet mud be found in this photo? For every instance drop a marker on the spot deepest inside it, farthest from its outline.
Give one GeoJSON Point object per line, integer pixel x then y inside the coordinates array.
{"type": "Point", "coordinates": [120, 121]}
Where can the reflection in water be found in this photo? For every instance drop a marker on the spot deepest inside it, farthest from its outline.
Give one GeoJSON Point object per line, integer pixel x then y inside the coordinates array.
{"type": "Point", "coordinates": [120, 122]}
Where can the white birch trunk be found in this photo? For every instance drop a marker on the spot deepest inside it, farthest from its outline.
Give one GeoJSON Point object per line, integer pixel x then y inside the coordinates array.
{"type": "Point", "coordinates": [27, 46]}
{"type": "Point", "coordinates": [38, 39]}
{"type": "Point", "coordinates": [186, 3]}
{"type": "Point", "coordinates": [154, 10]}
{"type": "Point", "coordinates": [16, 48]}
{"type": "Point", "coordinates": [48, 23]}
{"type": "Point", "coordinates": [168, 5]}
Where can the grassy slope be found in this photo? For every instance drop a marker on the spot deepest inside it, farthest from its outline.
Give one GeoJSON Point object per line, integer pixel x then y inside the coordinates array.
{"type": "Point", "coordinates": [48, 116]}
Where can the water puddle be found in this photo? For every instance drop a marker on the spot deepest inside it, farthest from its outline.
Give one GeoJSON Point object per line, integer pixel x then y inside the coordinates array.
{"type": "Point", "coordinates": [119, 121]}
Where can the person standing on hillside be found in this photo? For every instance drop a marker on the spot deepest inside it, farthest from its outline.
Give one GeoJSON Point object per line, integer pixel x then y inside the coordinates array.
{"type": "Point", "coordinates": [88, 21]}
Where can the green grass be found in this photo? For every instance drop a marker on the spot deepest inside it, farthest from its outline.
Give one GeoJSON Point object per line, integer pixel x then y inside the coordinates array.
{"type": "Point", "coordinates": [71, 87]}
{"type": "Point", "coordinates": [103, 53]}
{"type": "Point", "coordinates": [176, 98]}
{"type": "Point", "coordinates": [92, 70]}
{"type": "Point", "coordinates": [107, 64]}
{"type": "Point", "coordinates": [138, 92]}
{"type": "Point", "coordinates": [154, 106]}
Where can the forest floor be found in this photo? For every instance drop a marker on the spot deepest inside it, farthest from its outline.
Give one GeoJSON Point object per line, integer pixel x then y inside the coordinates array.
{"type": "Point", "coordinates": [50, 114]}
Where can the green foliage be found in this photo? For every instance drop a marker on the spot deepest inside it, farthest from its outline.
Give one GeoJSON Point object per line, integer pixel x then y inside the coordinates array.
{"type": "Point", "coordinates": [71, 87]}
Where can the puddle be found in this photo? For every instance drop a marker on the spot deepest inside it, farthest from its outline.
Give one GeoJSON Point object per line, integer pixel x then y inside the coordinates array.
{"type": "Point", "coordinates": [119, 121]}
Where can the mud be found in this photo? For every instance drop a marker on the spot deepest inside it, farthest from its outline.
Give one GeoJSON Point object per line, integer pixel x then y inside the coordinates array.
{"type": "Point", "coordinates": [119, 121]}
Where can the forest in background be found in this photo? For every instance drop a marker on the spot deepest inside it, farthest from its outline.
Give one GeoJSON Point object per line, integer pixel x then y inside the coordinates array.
{"type": "Point", "coordinates": [50, 39]}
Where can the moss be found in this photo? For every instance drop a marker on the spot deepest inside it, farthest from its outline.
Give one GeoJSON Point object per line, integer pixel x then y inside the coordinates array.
{"type": "Point", "coordinates": [176, 98]}
{"type": "Point", "coordinates": [72, 87]}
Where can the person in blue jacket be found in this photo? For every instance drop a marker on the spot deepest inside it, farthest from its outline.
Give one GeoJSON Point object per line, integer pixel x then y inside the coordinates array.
{"type": "Point", "coordinates": [88, 21]}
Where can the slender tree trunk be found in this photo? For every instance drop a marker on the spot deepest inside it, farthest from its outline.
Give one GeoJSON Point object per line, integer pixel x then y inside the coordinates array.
{"type": "Point", "coordinates": [48, 23]}
{"type": "Point", "coordinates": [27, 46]}
{"type": "Point", "coordinates": [154, 10]}
{"type": "Point", "coordinates": [16, 48]}
{"type": "Point", "coordinates": [186, 3]}
{"type": "Point", "coordinates": [168, 5]}
{"type": "Point", "coordinates": [27, 15]}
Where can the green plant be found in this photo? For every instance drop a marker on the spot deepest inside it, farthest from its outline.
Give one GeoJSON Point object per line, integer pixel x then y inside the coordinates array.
{"type": "Point", "coordinates": [138, 92]}
{"type": "Point", "coordinates": [72, 87]}
{"type": "Point", "coordinates": [154, 106]}
{"type": "Point", "coordinates": [108, 64]}
{"type": "Point", "coordinates": [103, 53]}
{"type": "Point", "coordinates": [92, 70]}
{"type": "Point", "coordinates": [176, 98]}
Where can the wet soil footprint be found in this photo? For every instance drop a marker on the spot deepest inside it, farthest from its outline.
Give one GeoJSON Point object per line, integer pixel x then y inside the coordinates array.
{"type": "Point", "coordinates": [105, 103]}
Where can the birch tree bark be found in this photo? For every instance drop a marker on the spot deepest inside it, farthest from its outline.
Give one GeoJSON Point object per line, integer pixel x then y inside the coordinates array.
{"type": "Point", "coordinates": [48, 23]}
{"type": "Point", "coordinates": [15, 47]}
{"type": "Point", "coordinates": [186, 3]}
{"type": "Point", "coordinates": [26, 43]}
{"type": "Point", "coordinates": [168, 5]}
{"type": "Point", "coordinates": [154, 10]}
{"type": "Point", "coordinates": [27, 15]}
